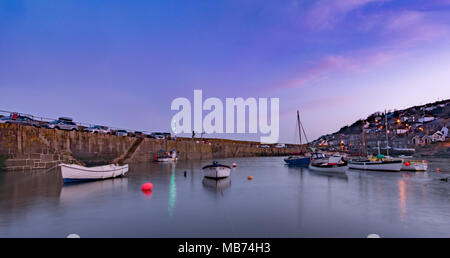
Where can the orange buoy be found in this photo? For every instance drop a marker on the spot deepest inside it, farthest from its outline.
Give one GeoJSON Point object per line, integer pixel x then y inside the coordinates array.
{"type": "Point", "coordinates": [234, 165]}
{"type": "Point", "coordinates": [438, 170]}
{"type": "Point", "coordinates": [147, 187]}
{"type": "Point", "coordinates": [407, 163]}
{"type": "Point", "coordinates": [250, 177]}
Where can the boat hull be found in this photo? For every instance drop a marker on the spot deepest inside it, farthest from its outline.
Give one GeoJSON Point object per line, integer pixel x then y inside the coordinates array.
{"type": "Point", "coordinates": [298, 161]}
{"type": "Point", "coordinates": [218, 184]}
{"type": "Point", "coordinates": [166, 159]}
{"type": "Point", "coordinates": [76, 173]}
{"type": "Point", "coordinates": [216, 172]}
{"type": "Point", "coordinates": [393, 166]}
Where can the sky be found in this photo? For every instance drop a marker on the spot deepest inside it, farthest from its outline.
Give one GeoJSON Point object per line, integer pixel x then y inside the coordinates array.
{"type": "Point", "coordinates": [122, 63]}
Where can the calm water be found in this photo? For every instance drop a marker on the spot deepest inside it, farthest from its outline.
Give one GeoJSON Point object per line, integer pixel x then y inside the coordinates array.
{"type": "Point", "coordinates": [279, 202]}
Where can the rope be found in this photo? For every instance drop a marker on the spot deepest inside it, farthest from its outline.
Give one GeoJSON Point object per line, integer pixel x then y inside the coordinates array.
{"type": "Point", "coordinates": [51, 168]}
{"type": "Point", "coordinates": [303, 129]}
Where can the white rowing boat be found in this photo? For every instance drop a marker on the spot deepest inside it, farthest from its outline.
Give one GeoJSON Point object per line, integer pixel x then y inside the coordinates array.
{"type": "Point", "coordinates": [73, 173]}
{"type": "Point", "coordinates": [216, 170]}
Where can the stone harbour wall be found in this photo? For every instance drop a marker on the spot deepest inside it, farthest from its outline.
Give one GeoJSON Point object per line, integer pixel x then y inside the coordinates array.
{"type": "Point", "coordinates": [28, 148]}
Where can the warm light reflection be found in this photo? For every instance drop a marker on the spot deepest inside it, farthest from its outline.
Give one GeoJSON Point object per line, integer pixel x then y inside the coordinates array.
{"type": "Point", "coordinates": [402, 198]}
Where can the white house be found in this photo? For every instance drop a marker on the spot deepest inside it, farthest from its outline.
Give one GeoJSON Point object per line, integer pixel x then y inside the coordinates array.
{"type": "Point", "coordinates": [426, 118]}
{"type": "Point", "coordinates": [416, 140]}
{"type": "Point", "coordinates": [422, 140]}
{"type": "Point", "coordinates": [438, 136]}
{"type": "Point", "coordinates": [401, 131]}
{"type": "Point", "coordinates": [444, 130]}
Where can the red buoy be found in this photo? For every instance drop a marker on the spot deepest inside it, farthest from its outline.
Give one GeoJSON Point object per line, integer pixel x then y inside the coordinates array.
{"type": "Point", "coordinates": [234, 165]}
{"type": "Point", "coordinates": [147, 187]}
{"type": "Point", "coordinates": [407, 163]}
{"type": "Point", "coordinates": [147, 193]}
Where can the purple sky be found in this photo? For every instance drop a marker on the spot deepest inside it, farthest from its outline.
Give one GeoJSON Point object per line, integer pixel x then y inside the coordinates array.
{"type": "Point", "coordinates": [121, 63]}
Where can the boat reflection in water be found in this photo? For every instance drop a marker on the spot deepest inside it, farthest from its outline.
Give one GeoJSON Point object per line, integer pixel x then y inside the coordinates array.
{"type": "Point", "coordinates": [219, 185]}
{"type": "Point", "coordinates": [84, 191]}
{"type": "Point", "coordinates": [341, 175]}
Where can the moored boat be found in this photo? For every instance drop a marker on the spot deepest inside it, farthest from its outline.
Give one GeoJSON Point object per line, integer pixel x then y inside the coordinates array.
{"type": "Point", "coordinates": [333, 164]}
{"type": "Point", "coordinates": [379, 165]}
{"type": "Point", "coordinates": [166, 156]}
{"type": "Point", "coordinates": [301, 160]}
{"type": "Point", "coordinates": [414, 165]}
{"type": "Point", "coordinates": [74, 173]}
{"type": "Point", "coordinates": [297, 160]}
{"type": "Point", "coordinates": [216, 170]}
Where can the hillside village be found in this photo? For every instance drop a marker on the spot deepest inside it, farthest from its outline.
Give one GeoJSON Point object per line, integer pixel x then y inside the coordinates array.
{"type": "Point", "coordinates": [407, 130]}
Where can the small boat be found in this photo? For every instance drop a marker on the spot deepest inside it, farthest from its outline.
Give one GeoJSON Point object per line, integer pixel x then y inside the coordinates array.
{"type": "Point", "coordinates": [333, 164]}
{"type": "Point", "coordinates": [216, 170]}
{"type": "Point", "coordinates": [414, 165]}
{"type": "Point", "coordinates": [379, 165]}
{"type": "Point", "coordinates": [297, 160]}
{"type": "Point", "coordinates": [167, 156]}
{"type": "Point", "coordinates": [75, 173]}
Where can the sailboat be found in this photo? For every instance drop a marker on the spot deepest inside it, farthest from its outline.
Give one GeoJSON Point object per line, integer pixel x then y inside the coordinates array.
{"type": "Point", "coordinates": [298, 160]}
{"type": "Point", "coordinates": [381, 163]}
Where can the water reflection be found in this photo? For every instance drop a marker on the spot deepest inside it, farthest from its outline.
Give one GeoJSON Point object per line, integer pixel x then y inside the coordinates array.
{"type": "Point", "coordinates": [217, 185]}
{"type": "Point", "coordinates": [77, 192]}
{"type": "Point", "coordinates": [281, 202]}
{"type": "Point", "coordinates": [402, 198]}
{"type": "Point", "coordinates": [341, 176]}
{"type": "Point", "coordinates": [172, 190]}
{"type": "Point", "coordinates": [21, 191]}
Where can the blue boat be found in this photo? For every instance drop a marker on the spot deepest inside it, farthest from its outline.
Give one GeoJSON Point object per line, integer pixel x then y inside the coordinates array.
{"type": "Point", "coordinates": [298, 160]}
{"type": "Point", "coordinates": [301, 159]}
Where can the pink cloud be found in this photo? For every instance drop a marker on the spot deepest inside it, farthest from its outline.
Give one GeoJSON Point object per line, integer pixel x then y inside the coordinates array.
{"type": "Point", "coordinates": [333, 63]}
{"type": "Point", "coordinates": [397, 32]}
{"type": "Point", "coordinates": [411, 26]}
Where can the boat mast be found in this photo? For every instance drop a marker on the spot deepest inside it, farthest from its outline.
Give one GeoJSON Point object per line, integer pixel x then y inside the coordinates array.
{"type": "Point", "coordinates": [387, 137]}
{"type": "Point", "coordinates": [299, 130]}
{"type": "Point", "coordinates": [364, 136]}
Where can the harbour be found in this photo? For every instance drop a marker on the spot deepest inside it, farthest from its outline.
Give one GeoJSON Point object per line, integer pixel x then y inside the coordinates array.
{"type": "Point", "coordinates": [280, 201]}
{"type": "Point", "coordinates": [224, 127]}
